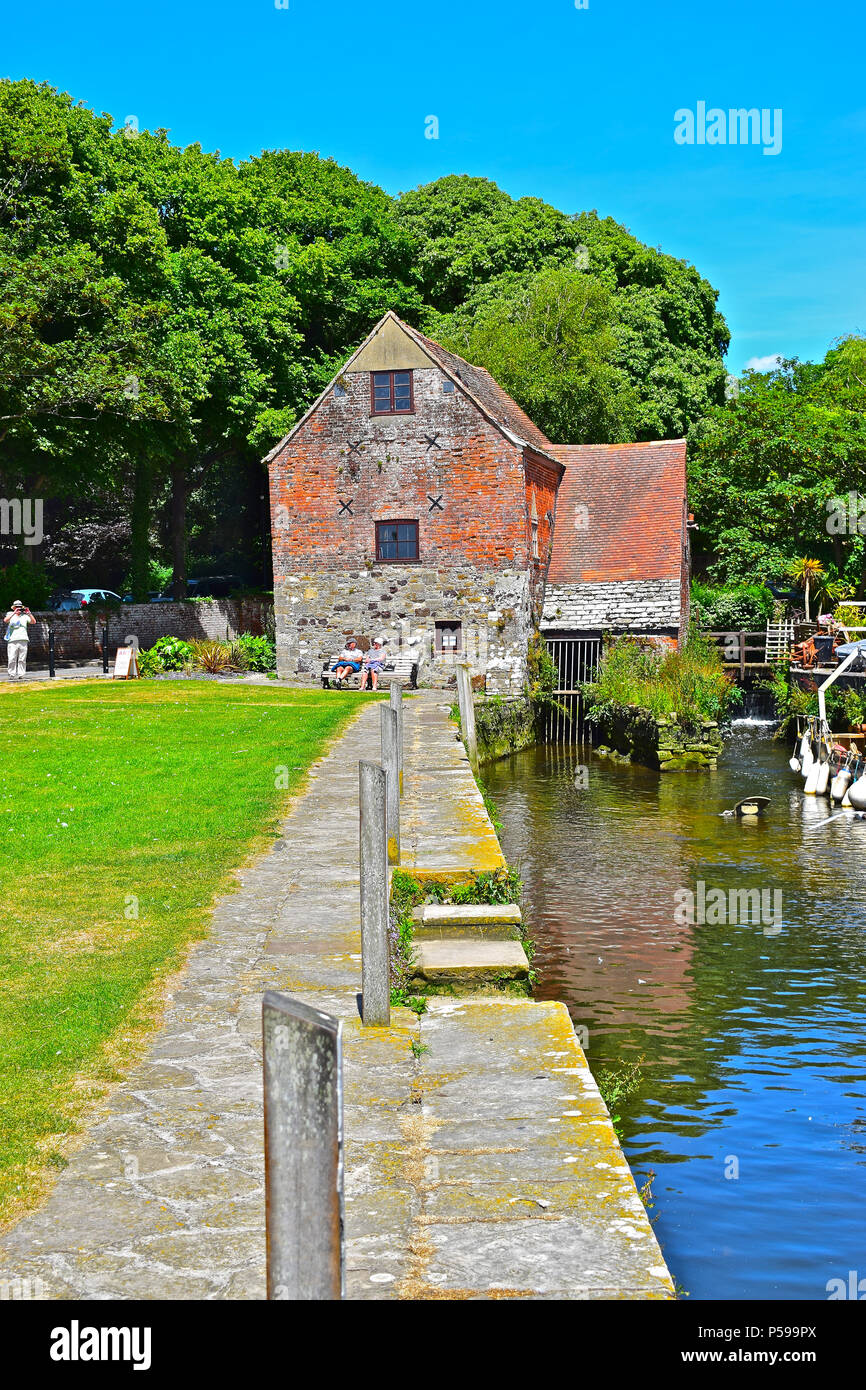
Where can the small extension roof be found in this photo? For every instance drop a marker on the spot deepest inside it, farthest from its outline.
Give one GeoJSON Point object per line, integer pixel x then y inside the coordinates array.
{"type": "Point", "coordinates": [634, 495]}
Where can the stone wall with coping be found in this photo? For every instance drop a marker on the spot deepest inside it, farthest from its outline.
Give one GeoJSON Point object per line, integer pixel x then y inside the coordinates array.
{"type": "Point", "coordinates": [78, 635]}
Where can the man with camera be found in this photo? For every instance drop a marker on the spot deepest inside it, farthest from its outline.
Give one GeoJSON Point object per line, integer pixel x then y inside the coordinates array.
{"type": "Point", "coordinates": [17, 621]}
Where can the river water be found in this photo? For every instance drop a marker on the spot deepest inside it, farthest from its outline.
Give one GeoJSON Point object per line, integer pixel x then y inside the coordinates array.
{"type": "Point", "coordinates": [752, 1104]}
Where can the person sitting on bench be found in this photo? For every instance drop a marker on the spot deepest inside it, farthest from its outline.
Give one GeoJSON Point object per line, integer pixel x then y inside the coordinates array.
{"type": "Point", "coordinates": [348, 663]}
{"type": "Point", "coordinates": [374, 660]}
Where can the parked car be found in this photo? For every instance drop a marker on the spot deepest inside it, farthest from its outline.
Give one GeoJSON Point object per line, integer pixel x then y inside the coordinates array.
{"type": "Point", "coordinates": [152, 597]}
{"type": "Point", "coordinates": [69, 600]}
{"type": "Point", "coordinates": [207, 586]}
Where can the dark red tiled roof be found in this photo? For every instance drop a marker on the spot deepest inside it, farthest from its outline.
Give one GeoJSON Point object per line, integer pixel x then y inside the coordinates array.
{"type": "Point", "coordinates": [635, 496]}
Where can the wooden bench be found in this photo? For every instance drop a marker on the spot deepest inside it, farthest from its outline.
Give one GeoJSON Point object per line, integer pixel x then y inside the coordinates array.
{"type": "Point", "coordinates": [399, 668]}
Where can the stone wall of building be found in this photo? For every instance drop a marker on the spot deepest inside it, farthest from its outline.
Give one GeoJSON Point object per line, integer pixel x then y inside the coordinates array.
{"type": "Point", "coordinates": [462, 479]}
{"type": "Point", "coordinates": [639, 605]}
{"type": "Point", "coordinates": [318, 610]}
{"type": "Point", "coordinates": [78, 635]}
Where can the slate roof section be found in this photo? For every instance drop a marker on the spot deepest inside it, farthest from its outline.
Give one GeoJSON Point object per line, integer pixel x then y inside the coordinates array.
{"type": "Point", "coordinates": [635, 496]}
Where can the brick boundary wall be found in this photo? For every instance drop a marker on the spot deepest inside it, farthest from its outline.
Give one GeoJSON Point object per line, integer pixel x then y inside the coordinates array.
{"type": "Point", "coordinates": [78, 635]}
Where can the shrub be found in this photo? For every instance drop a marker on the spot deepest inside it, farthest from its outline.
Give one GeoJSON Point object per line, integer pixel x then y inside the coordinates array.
{"type": "Point", "coordinates": [215, 658]}
{"type": "Point", "coordinates": [689, 684]}
{"type": "Point", "coordinates": [166, 654]}
{"type": "Point", "coordinates": [733, 607]}
{"type": "Point", "coordinates": [257, 653]}
{"type": "Point", "coordinates": [25, 581]}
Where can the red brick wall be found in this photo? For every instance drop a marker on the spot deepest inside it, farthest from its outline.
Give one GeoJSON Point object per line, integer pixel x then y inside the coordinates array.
{"type": "Point", "coordinates": [542, 482]}
{"type": "Point", "coordinates": [475, 471]}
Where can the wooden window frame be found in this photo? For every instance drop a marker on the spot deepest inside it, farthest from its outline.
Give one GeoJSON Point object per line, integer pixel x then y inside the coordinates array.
{"type": "Point", "coordinates": [439, 625]}
{"type": "Point", "coordinates": [391, 408]}
{"type": "Point", "coordinates": [400, 559]}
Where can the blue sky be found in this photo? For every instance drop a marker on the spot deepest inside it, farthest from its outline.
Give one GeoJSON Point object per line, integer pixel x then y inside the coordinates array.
{"type": "Point", "coordinates": [573, 106]}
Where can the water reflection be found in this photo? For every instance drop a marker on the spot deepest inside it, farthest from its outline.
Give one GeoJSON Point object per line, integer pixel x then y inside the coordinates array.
{"type": "Point", "coordinates": [751, 1035]}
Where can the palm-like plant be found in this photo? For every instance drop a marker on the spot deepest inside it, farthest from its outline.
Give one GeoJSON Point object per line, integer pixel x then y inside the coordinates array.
{"type": "Point", "coordinates": [808, 575]}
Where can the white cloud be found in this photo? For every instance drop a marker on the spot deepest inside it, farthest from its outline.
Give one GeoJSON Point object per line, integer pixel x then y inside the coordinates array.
{"type": "Point", "coordinates": [763, 364]}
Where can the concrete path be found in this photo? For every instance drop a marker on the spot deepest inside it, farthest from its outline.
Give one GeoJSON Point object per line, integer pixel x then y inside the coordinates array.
{"type": "Point", "coordinates": [485, 1167]}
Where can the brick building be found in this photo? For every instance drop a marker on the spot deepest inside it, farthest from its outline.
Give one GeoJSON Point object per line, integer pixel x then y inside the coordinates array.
{"type": "Point", "coordinates": [415, 500]}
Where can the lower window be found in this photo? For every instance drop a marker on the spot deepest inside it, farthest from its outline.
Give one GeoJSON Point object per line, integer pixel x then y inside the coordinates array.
{"type": "Point", "coordinates": [449, 637]}
{"type": "Point", "coordinates": [397, 540]}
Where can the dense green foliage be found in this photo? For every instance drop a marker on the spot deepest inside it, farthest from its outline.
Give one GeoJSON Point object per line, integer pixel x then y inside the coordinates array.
{"type": "Point", "coordinates": [166, 314]}
{"type": "Point", "coordinates": [689, 684]}
{"type": "Point", "coordinates": [597, 336]}
{"type": "Point", "coordinates": [246, 653]}
{"type": "Point", "coordinates": [766, 467]}
{"type": "Point", "coordinates": [731, 607]}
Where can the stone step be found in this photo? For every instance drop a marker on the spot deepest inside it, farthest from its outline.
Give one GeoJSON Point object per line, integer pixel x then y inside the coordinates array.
{"type": "Point", "coordinates": [468, 963]}
{"type": "Point", "coordinates": [496, 921]}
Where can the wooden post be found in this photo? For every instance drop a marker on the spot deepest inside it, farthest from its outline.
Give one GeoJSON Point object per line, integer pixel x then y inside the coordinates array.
{"type": "Point", "coordinates": [375, 954]}
{"type": "Point", "coordinates": [396, 702]}
{"type": "Point", "coordinates": [388, 719]}
{"type": "Point", "coordinates": [303, 1085]}
{"type": "Point", "coordinates": [51, 652]}
{"type": "Point", "coordinates": [742, 655]}
{"type": "Point", "coordinates": [467, 713]}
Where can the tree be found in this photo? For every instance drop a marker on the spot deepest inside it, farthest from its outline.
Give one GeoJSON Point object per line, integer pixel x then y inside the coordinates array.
{"type": "Point", "coordinates": [662, 331]}
{"type": "Point", "coordinates": [772, 471]}
{"type": "Point", "coordinates": [549, 344]}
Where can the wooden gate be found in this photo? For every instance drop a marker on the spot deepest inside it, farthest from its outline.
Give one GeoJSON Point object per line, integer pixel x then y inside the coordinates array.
{"type": "Point", "coordinates": [576, 657]}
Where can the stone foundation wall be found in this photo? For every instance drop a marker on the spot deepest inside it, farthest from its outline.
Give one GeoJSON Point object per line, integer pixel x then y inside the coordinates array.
{"type": "Point", "coordinates": [633, 733]}
{"type": "Point", "coordinates": [78, 635]}
{"type": "Point", "coordinates": [317, 611]}
{"type": "Point", "coordinates": [503, 727]}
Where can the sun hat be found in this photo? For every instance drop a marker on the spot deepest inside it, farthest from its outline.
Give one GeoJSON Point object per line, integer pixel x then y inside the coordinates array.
{"type": "Point", "coordinates": [16, 603]}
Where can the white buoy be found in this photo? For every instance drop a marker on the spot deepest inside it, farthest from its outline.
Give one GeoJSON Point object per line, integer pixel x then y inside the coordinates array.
{"type": "Point", "coordinates": [805, 745]}
{"type": "Point", "coordinates": [807, 763]}
{"type": "Point", "coordinates": [857, 794]}
{"type": "Point", "coordinates": [840, 784]}
{"type": "Point", "coordinates": [794, 764]}
{"type": "Point", "coordinates": [823, 778]}
{"type": "Point", "coordinates": [811, 787]}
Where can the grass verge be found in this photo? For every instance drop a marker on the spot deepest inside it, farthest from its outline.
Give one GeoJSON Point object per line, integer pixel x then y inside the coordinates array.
{"type": "Point", "coordinates": [124, 810]}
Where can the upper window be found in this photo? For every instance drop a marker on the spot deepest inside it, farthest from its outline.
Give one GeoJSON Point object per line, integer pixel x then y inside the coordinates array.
{"type": "Point", "coordinates": [391, 393]}
{"type": "Point", "coordinates": [397, 540]}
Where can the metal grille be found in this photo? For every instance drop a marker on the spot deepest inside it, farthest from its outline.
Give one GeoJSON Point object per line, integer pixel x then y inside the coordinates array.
{"type": "Point", "coordinates": [576, 659]}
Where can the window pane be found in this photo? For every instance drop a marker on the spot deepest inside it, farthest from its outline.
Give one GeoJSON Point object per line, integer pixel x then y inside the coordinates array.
{"type": "Point", "coordinates": [382, 379]}
{"type": "Point", "coordinates": [402, 378]}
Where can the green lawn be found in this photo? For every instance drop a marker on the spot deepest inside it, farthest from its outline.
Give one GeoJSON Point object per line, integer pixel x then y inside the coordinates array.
{"type": "Point", "coordinates": [117, 799]}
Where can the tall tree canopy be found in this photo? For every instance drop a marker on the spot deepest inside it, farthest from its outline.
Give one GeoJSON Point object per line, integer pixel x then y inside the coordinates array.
{"type": "Point", "coordinates": [166, 314]}
{"type": "Point", "coordinates": [767, 468]}
{"type": "Point", "coordinates": [660, 340]}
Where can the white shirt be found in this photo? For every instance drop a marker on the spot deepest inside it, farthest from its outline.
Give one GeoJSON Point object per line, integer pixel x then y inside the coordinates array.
{"type": "Point", "coordinates": [17, 623]}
